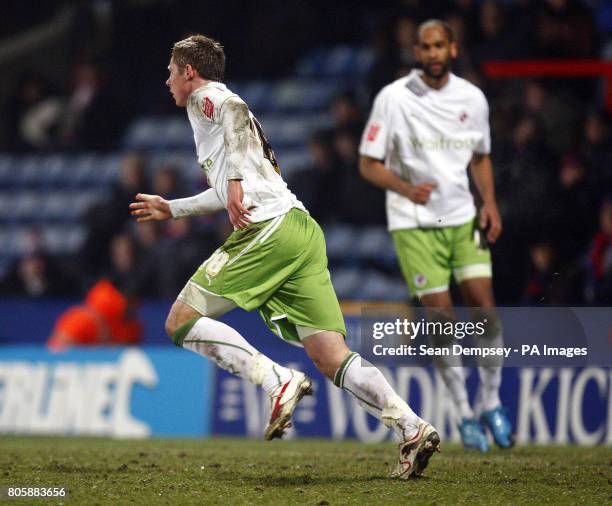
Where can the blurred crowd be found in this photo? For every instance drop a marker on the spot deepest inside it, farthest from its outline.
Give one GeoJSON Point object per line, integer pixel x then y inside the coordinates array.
{"type": "Point", "coordinates": [143, 260]}
{"type": "Point", "coordinates": [552, 156]}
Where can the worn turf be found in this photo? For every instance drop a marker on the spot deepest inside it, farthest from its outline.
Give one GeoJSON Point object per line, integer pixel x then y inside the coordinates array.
{"type": "Point", "coordinates": [239, 471]}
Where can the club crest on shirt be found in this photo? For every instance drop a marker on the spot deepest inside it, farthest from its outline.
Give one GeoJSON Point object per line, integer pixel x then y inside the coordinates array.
{"type": "Point", "coordinates": [463, 116]}
{"type": "Point", "coordinates": [420, 280]}
{"type": "Point", "coordinates": [208, 108]}
{"type": "Point", "coordinates": [206, 165]}
{"type": "Point", "coordinates": [373, 132]}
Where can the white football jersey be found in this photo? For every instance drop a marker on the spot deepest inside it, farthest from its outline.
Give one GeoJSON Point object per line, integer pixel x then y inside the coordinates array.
{"type": "Point", "coordinates": [427, 135]}
{"type": "Point", "coordinates": [231, 145]}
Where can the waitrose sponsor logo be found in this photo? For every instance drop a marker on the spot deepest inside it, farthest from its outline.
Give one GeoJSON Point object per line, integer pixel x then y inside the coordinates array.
{"type": "Point", "coordinates": [442, 143]}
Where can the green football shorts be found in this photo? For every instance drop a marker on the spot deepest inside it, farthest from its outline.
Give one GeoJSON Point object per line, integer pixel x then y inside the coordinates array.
{"type": "Point", "coordinates": [278, 266]}
{"type": "Point", "coordinates": [428, 256]}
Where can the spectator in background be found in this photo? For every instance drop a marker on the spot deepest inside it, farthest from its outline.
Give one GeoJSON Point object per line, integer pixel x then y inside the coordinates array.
{"type": "Point", "coordinates": [599, 261]}
{"type": "Point", "coordinates": [129, 270]}
{"type": "Point", "coordinates": [32, 276]}
{"type": "Point", "coordinates": [315, 183]}
{"type": "Point", "coordinates": [497, 42]}
{"type": "Point", "coordinates": [462, 65]}
{"type": "Point", "coordinates": [394, 55]}
{"type": "Point", "coordinates": [33, 114]}
{"type": "Point", "coordinates": [105, 319]}
{"type": "Point", "coordinates": [346, 113]}
{"type": "Point", "coordinates": [544, 273]}
{"type": "Point", "coordinates": [36, 273]}
{"type": "Point", "coordinates": [565, 29]}
{"type": "Point", "coordinates": [179, 254]}
{"type": "Point", "coordinates": [576, 210]}
{"type": "Point", "coordinates": [93, 115]}
{"type": "Point", "coordinates": [106, 218]}
{"type": "Point", "coordinates": [146, 235]}
{"type": "Point", "coordinates": [596, 153]}
{"type": "Point", "coordinates": [405, 37]}
{"type": "Point", "coordinates": [556, 113]}
{"type": "Point", "coordinates": [357, 201]}
{"type": "Point", "coordinates": [523, 163]}
{"type": "Point", "coordinates": [166, 183]}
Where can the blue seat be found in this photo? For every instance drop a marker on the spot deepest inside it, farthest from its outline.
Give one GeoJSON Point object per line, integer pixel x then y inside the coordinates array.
{"type": "Point", "coordinates": [142, 134]}
{"type": "Point", "coordinates": [27, 205]}
{"type": "Point", "coordinates": [375, 243]}
{"type": "Point", "coordinates": [340, 241]}
{"type": "Point", "coordinates": [306, 95]}
{"type": "Point", "coordinates": [375, 285]}
{"type": "Point", "coordinates": [7, 171]}
{"type": "Point", "coordinates": [175, 133]}
{"type": "Point", "coordinates": [62, 239]}
{"type": "Point", "coordinates": [291, 160]}
{"type": "Point", "coordinates": [258, 94]}
{"type": "Point", "coordinates": [339, 61]}
{"type": "Point", "coordinates": [346, 281]}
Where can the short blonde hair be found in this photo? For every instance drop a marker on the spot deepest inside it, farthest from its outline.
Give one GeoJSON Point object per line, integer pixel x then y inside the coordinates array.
{"type": "Point", "coordinates": [204, 54]}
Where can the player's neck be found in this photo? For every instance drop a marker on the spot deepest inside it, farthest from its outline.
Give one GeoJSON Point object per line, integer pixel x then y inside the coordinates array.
{"type": "Point", "coordinates": [435, 83]}
{"type": "Point", "coordinates": [198, 82]}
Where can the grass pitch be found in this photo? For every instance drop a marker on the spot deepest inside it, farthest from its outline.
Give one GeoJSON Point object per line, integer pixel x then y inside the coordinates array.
{"type": "Point", "coordinates": [239, 471]}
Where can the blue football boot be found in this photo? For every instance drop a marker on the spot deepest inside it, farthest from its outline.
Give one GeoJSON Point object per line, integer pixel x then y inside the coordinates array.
{"type": "Point", "coordinates": [496, 420]}
{"type": "Point", "coordinates": [473, 435]}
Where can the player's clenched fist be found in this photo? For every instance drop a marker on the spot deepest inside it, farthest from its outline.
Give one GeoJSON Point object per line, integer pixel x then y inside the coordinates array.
{"type": "Point", "coordinates": [150, 207]}
{"type": "Point", "coordinates": [419, 194]}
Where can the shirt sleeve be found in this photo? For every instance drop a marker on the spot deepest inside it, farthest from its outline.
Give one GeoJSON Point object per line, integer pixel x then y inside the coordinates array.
{"type": "Point", "coordinates": [484, 145]}
{"type": "Point", "coordinates": [204, 203]}
{"type": "Point", "coordinates": [374, 140]}
{"type": "Point", "coordinates": [235, 121]}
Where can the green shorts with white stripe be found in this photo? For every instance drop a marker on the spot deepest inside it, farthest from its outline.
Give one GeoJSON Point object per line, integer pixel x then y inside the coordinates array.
{"type": "Point", "coordinates": [429, 256]}
{"type": "Point", "coordinates": [278, 266]}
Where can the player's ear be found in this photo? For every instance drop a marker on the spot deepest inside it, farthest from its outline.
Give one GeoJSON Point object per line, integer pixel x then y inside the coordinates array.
{"type": "Point", "coordinates": [189, 72]}
{"type": "Point", "coordinates": [454, 50]}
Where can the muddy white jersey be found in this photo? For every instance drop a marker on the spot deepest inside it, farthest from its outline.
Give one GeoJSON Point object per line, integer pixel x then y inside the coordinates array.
{"type": "Point", "coordinates": [231, 145]}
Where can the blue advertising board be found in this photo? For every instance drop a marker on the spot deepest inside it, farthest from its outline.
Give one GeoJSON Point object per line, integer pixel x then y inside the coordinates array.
{"type": "Point", "coordinates": [545, 405]}
{"type": "Point", "coordinates": [165, 391]}
{"type": "Point", "coordinates": [120, 392]}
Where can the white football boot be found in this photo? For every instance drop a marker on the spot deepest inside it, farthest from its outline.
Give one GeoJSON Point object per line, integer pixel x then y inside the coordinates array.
{"type": "Point", "coordinates": [284, 401]}
{"type": "Point", "coordinates": [414, 453]}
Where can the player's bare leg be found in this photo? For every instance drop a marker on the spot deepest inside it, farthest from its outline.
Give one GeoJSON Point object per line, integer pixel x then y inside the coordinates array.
{"type": "Point", "coordinates": [366, 384]}
{"type": "Point", "coordinates": [478, 294]}
{"type": "Point", "coordinates": [439, 308]}
{"type": "Point", "coordinates": [230, 351]}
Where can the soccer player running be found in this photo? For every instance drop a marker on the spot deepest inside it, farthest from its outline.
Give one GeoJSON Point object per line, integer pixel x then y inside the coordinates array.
{"type": "Point", "coordinates": [274, 261]}
{"type": "Point", "coordinates": [423, 132]}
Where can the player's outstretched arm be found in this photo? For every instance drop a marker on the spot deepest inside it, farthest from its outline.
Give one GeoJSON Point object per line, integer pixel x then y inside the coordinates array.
{"type": "Point", "coordinates": [481, 169]}
{"type": "Point", "coordinates": [207, 202]}
{"type": "Point", "coordinates": [376, 173]}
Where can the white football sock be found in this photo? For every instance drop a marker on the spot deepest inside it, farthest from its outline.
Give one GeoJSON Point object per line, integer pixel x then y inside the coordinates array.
{"type": "Point", "coordinates": [490, 371]}
{"type": "Point", "coordinates": [451, 370]}
{"type": "Point", "coordinates": [230, 351]}
{"type": "Point", "coordinates": [490, 381]}
{"type": "Point", "coordinates": [372, 392]}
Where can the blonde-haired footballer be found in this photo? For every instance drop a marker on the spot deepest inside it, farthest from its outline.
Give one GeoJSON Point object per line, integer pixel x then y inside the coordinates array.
{"type": "Point", "coordinates": [274, 261]}
{"type": "Point", "coordinates": [424, 130]}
